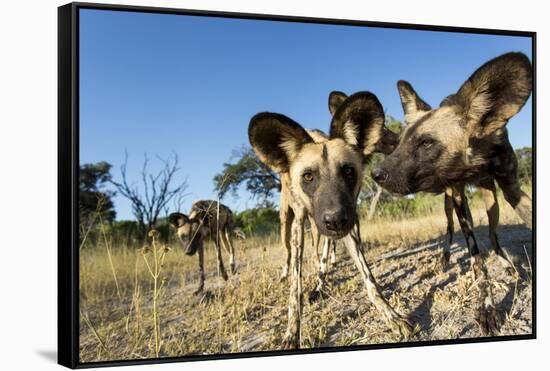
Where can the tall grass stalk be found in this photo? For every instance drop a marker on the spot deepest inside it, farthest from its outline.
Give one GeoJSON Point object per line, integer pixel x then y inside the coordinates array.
{"type": "Point", "coordinates": [159, 253]}
{"type": "Point", "coordinates": [94, 331]}
{"type": "Point", "coordinates": [110, 257]}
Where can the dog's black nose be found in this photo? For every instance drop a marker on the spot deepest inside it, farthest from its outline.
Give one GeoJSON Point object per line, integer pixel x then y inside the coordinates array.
{"type": "Point", "coordinates": [379, 175]}
{"type": "Point", "coordinates": [335, 220]}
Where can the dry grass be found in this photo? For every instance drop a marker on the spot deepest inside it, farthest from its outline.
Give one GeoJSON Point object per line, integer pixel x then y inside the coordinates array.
{"type": "Point", "coordinates": [248, 313]}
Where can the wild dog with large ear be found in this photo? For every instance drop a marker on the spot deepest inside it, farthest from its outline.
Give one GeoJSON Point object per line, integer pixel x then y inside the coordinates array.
{"type": "Point", "coordinates": [322, 179]}
{"type": "Point", "coordinates": [489, 99]}
{"type": "Point", "coordinates": [389, 139]}
{"type": "Point", "coordinates": [464, 141]}
{"type": "Point", "coordinates": [188, 231]}
{"type": "Point", "coordinates": [206, 219]}
{"type": "Point", "coordinates": [325, 176]}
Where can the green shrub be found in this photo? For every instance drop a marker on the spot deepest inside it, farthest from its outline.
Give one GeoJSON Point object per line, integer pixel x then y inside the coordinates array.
{"type": "Point", "coordinates": [258, 221]}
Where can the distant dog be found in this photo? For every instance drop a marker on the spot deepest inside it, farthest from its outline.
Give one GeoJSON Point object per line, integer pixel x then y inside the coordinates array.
{"type": "Point", "coordinates": [320, 180]}
{"type": "Point", "coordinates": [206, 219]}
{"type": "Point", "coordinates": [465, 141]}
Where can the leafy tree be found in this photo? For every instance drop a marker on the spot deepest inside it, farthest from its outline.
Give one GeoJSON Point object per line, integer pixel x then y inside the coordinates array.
{"type": "Point", "coordinates": [94, 200]}
{"type": "Point", "coordinates": [370, 190]}
{"type": "Point", "coordinates": [525, 164]}
{"type": "Point", "coordinates": [259, 180]}
{"type": "Point", "coordinates": [394, 124]}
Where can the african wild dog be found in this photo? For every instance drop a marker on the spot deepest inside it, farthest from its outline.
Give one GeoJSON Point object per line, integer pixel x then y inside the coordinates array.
{"type": "Point", "coordinates": [487, 189]}
{"type": "Point", "coordinates": [465, 141]}
{"type": "Point", "coordinates": [385, 145]}
{"type": "Point", "coordinates": [321, 179]}
{"type": "Point", "coordinates": [317, 136]}
{"type": "Point", "coordinates": [206, 219]}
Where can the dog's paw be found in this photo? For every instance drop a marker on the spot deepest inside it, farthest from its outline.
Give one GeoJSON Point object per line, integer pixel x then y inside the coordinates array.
{"type": "Point", "coordinates": [403, 327]}
{"type": "Point", "coordinates": [315, 295]}
{"type": "Point", "coordinates": [290, 342]}
{"type": "Point", "coordinates": [443, 261]}
{"type": "Point", "coordinates": [320, 292]}
{"type": "Point", "coordinates": [224, 275]}
{"type": "Point", "coordinates": [507, 265]}
{"type": "Point", "coordinates": [489, 320]}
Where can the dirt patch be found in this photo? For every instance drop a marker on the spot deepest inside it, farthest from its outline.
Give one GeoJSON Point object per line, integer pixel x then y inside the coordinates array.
{"type": "Point", "coordinates": [248, 312]}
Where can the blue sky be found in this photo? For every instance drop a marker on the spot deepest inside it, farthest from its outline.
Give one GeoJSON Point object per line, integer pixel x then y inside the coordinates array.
{"type": "Point", "coordinates": [163, 84]}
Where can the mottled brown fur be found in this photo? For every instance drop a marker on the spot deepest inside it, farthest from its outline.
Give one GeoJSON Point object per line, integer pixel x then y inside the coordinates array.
{"type": "Point", "coordinates": [321, 179]}
{"type": "Point", "coordinates": [207, 219]}
{"type": "Point", "coordinates": [465, 141]}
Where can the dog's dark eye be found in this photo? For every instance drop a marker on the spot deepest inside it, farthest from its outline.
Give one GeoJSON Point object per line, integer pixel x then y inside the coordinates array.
{"type": "Point", "coordinates": [308, 177]}
{"type": "Point", "coordinates": [349, 172]}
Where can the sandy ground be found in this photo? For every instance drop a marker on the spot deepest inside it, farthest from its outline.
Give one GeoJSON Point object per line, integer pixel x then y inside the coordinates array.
{"type": "Point", "coordinates": [248, 313]}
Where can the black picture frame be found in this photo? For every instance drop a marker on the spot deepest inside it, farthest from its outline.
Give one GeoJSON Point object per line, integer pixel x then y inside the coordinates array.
{"type": "Point", "coordinates": [68, 168]}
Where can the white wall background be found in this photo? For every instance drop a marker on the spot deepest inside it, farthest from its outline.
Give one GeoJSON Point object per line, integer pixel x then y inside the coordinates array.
{"type": "Point", "coordinates": [28, 155]}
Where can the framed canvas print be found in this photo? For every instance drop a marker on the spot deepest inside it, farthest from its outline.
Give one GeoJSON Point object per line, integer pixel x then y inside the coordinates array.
{"type": "Point", "coordinates": [236, 185]}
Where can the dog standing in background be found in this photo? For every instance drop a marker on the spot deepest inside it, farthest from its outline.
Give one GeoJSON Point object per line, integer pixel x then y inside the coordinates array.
{"type": "Point", "coordinates": [207, 219]}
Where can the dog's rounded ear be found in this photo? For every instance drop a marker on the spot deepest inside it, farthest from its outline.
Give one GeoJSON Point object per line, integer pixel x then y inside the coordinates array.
{"type": "Point", "coordinates": [335, 99]}
{"type": "Point", "coordinates": [276, 139]}
{"type": "Point", "coordinates": [495, 92]}
{"type": "Point", "coordinates": [177, 219]}
{"type": "Point", "coordinates": [359, 121]}
{"type": "Point", "coordinates": [410, 100]}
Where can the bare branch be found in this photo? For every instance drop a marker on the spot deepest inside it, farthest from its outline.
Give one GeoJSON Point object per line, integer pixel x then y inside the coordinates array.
{"type": "Point", "coordinates": [158, 190]}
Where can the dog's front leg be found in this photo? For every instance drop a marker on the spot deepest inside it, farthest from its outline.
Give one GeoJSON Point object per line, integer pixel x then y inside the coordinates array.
{"type": "Point", "coordinates": [488, 317]}
{"type": "Point", "coordinates": [518, 199]}
{"type": "Point", "coordinates": [315, 239]}
{"type": "Point", "coordinates": [396, 321]}
{"type": "Point", "coordinates": [286, 216]}
{"type": "Point", "coordinates": [489, 194]}
{"type": "Point", "coordinates": [292, 336]}
{"type": "Point", "coordinates": [221, 268]}
{"type": "Point", "coordinates": [201, 271]}
{"type": "Point", "coordinates": [332, 249]}
{"type": "Point", "coordinates": [323, 268]}
{"type": "Point", "coordinates": [446, 251]}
